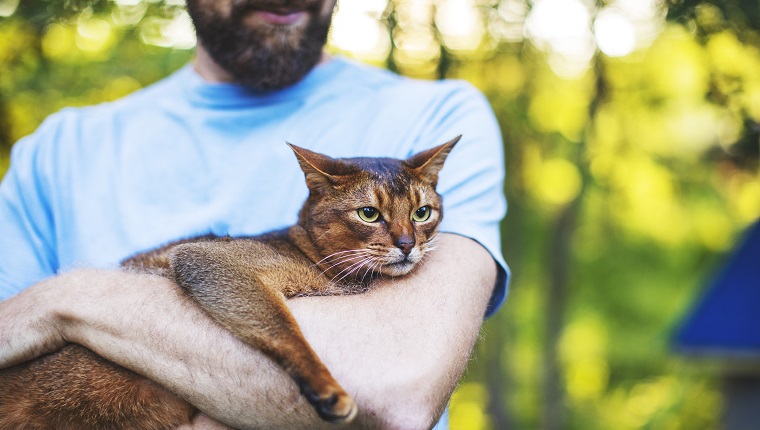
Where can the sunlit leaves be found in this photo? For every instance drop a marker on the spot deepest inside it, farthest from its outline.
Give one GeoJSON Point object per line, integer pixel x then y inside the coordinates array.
{"type": "Point", "coordinates": [616, 36]}
{"type": "Point", "coordinates": [646, 201]}
{"type": "Point", "coordinates": [675, 67]}
{"type": "Point", "coordinates": [553, 182]}
{"type": "Point", "coordinates": [359, 28]}
{"type": "Point", "coordinates": [460, 24]}
{"type": "Point", "coordinates": [8, 7]}
{"type": "Point", "coordinates": [467, 411]}
{"type": "Point", "coordinates": [128, 14]}
{"type": "Point", "coordinates": [175, 31]}
{"type": "Point", "coordinates": [562, 28]}
{"type": "Point", "coordinates": [86, 55]}
{"type": "Point", "coordinates": [558, 105]}
{"type": "Point", "coordinates": [88, 38]}
{"type": "Point", "coordinates": [94, 35]}
{"type": "Point", "coordinates": [583, 350]}
{"type": "Point", "coordinates": [743, 194]}
{"type": "Point", "coordinates": [58, 41]}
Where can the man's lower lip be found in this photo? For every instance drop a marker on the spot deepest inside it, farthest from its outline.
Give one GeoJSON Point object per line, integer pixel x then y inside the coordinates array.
{"type": "Point", "coordinates": [279, 18]}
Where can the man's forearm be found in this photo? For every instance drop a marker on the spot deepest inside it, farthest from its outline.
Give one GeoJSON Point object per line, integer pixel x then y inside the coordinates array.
{"type": "Point", "coordinates": [398, 349]}
{"type": "Point", "coordinates": [409, 339]}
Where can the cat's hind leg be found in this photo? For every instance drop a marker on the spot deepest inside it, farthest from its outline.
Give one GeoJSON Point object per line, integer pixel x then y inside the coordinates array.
{"type": "Point", "coordinates": [74, 389]}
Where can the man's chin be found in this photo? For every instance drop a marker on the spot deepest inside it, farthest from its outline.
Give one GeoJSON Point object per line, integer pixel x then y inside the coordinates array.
{"type": "Point", "coordinates": [265, 50]}
{"type": "Point", "coordinates": [273, 72]}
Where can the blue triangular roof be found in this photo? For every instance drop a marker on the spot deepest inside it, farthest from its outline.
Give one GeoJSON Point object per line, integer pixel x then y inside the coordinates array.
{"type": "Point", "coordinates": [726, 319]}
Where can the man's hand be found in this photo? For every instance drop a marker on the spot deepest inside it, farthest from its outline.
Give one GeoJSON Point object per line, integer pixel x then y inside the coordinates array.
{"type": "Point", "coordinates": [201, 421]}
{"type": "Point", "coordinates": [398, 349]}
{"type": "Point", "coordinates": [28, 326]}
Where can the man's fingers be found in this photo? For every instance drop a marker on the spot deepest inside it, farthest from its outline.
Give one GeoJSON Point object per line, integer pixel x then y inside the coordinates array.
{"type": "Point", "coordinates": [202, 421]}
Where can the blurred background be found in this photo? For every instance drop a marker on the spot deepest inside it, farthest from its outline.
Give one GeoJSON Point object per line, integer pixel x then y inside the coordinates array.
{"type": "Point", "coordinates": [631, 137]}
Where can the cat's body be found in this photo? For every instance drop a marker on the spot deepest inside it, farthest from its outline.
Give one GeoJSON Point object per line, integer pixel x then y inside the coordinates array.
{"type": "Point", "coordinates": [363, 218]}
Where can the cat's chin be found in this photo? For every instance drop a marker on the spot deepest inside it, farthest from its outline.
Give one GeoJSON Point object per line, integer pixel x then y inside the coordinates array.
{"type": "Point", "coordinates": [398, 269]}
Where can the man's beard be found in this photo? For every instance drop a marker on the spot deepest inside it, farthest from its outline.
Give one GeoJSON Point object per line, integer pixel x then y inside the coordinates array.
{"type": "Point", "coordinates": [265, 57]}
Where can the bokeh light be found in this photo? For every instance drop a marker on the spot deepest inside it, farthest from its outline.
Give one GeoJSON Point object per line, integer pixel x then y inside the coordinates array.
{"type": "Point", "coordinates": [172, 32]}
{"type": "Point", "coordinates": [614, 33]}
{"type": "Point", "coordinates": [358, 29]}
{"type": "Point", "coordinates": [8, 7]}
{"type": "Point", "coordinates": [562, 28]}
{"type": "Point", "coordinates": [460, 24]}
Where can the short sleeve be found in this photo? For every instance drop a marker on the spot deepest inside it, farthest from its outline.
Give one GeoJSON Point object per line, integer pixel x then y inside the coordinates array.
{"type": "Point", "coordinates": [472, 179]}
{"type": "Point", "coordinates": [27, 239]}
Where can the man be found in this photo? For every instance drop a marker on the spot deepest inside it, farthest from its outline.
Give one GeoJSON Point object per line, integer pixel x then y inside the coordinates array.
{"type": "Point", "coordinates": [203, 151]}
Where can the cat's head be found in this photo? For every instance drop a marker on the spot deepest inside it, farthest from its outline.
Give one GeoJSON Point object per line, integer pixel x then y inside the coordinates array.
{"type": "Point", "coordinates": [371, 216]}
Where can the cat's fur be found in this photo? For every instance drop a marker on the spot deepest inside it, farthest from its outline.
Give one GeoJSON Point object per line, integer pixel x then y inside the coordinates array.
{"type": "Point", "coordinates": [242, 283]}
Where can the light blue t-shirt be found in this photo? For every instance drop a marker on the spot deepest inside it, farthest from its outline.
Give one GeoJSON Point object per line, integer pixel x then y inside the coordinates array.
{"type": "Point", "coordinates": [185, 157]}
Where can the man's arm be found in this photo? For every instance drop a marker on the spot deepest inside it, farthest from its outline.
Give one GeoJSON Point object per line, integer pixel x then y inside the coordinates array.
{"type": "Point", "coordinates": [398, 349]}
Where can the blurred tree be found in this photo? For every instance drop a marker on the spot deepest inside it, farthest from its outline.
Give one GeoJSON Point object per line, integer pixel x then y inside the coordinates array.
{"type": "Point", "coordinates": [713, 20]}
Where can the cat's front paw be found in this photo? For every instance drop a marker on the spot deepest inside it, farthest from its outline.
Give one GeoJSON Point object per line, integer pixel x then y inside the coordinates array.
{"type": "Point", "coordinates": [333, 405]}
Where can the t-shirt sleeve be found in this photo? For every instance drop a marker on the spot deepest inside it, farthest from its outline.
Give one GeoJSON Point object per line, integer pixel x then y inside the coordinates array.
{"type": "Point", "coordinates": [27, 239]}
{"type": "Point", "coordinates": [472, 179]}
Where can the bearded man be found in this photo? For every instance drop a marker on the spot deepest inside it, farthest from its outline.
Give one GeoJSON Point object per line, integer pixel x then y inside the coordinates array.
{"type": "Point", "coordinates": [203, 152]}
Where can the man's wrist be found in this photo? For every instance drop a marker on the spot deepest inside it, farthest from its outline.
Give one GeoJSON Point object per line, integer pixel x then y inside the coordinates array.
{"type": "Point", "coordinates": [64, 292]}
{"type": "Point", "coordinates": [75, 299]}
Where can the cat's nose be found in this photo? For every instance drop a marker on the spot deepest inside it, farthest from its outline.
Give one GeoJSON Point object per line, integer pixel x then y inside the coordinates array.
{"type": "Point", "coordinates": [405, 243]}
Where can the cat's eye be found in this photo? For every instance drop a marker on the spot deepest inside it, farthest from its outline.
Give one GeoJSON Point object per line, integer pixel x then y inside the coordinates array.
{"type": "Point", "coordinates": [421, 214]}
{"type": "Point", "coordinates": [369, 214]}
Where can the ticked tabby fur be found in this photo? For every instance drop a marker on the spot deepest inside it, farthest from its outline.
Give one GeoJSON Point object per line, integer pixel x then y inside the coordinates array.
{"type": "Point", "coordinates": [364, 217]}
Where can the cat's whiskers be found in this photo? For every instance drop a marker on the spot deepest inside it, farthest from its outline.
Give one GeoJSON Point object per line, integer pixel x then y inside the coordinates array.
{"type": "Point", "coordinates": [347, 259]}
{"type": "Point", "coordinates": [338, 259]}
{"type": "Point", "coordinates": [371, 269]}
{"type": "Point", "coordinates": [432, 241]}
{"type": "Point", "coordinates": [360, 250]}
{"type": "Point", "coordinates": [322, 235]}
{"type": "Point", "coordinates": [366, 270]}
{"type": "Point", "coordinates": [428, 245]}
{"type": "Point", "coordinates": [380, 265]}
{"type": "Point", "coordinates": [426, 255]}
{"type": "Point", "coordinates": [344, 260]}
{"type": "Point", "coordinates": [352, 268]}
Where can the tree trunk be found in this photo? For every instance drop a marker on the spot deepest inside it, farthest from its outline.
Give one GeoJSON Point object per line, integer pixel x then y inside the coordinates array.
{"type": "Point", "coordinates": [556, 297]}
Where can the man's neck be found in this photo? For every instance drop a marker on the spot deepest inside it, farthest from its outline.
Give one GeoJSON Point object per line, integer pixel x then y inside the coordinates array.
{"type": "Point", "coordinates": [208, 69]}
{"type": "Point", "coordinates": [212, 72]}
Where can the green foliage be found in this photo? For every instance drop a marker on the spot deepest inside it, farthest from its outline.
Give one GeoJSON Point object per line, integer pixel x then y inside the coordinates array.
{"type": "Point", "coordinates": [627, 183]}
{"type": "Point", "coordinates": [80, 57]}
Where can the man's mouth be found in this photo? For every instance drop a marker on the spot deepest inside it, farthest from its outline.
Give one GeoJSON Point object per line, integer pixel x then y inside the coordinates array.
{"type": "Point", "coordinates": [277, 16]}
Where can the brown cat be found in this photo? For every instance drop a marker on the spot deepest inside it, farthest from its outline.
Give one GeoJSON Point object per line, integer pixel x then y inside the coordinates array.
{"type": "Point", "coordinates": [364, 217]}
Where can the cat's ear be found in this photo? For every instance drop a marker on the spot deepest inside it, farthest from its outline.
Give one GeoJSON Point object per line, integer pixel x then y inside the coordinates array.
{"type": "Point", "coordinates": [320, 170]}
{"type": "Point", "coordinates": [427, 164]}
